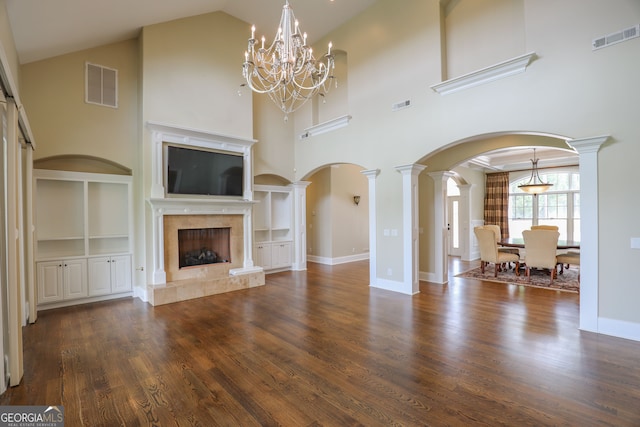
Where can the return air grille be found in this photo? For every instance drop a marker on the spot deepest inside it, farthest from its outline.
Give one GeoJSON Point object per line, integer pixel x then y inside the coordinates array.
{"type": "Point", "coordinates": [617, 37]}
{"type": "Point", "coordinates": [101, 85]}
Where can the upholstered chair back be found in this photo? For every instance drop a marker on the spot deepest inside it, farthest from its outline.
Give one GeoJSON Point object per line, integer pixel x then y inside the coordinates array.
{"type": "Point", "coordinates": [540, 248]}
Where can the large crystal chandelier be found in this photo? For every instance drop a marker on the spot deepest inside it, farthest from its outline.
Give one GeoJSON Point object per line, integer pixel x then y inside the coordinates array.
{"type": "Point", "coordinates": [287, 70]}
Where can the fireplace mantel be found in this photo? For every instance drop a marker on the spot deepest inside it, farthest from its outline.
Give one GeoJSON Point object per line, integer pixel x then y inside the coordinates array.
{"type": "Point", "coordinates": [161, 204]}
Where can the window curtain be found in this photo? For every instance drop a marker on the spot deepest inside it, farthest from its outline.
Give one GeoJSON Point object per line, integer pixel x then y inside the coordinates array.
{"type": "Point", "coordinates": [496, 201]}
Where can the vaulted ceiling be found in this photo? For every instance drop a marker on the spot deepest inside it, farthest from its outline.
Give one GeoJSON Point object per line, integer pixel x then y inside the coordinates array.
{"type": "Point", "coordinates": [43, 29]}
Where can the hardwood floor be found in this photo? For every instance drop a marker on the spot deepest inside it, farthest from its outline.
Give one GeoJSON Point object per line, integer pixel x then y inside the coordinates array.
{"type": "Point", "coordinates": [322, 348]}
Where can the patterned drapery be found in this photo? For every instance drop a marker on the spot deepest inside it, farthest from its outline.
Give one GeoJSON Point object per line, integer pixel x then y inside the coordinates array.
{"type": "Point", "coordinates": [496, 201]}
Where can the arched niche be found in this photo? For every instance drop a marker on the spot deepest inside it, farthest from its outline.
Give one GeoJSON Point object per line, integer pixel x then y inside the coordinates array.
{"type": "Point", "coordinates": [270, 179]}
{"type": "Point", "coordinates": [81, 163]}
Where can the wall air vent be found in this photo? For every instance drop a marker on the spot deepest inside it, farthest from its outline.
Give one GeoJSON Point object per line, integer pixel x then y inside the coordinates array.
{"type": "Point", "coordinates": [101, 85]}
{"type": "Point", "coordinates": [617, 37]}
{"type": "Point", "coordinates": [401, 105]}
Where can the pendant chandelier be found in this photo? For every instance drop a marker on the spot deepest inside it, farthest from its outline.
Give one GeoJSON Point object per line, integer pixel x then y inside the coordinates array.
{"type": "Point", "coordinates": [287, 70]}
{"type": "Point", "coordinates": [535, 185]}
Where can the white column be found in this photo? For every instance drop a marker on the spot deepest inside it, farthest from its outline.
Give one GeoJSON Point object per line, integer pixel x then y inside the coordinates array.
{"type": "Point", "coordinates": [247, 236]}
{"type": "Point", "coordinates": [157, 182]}
{"type": "Point", "coordinates": [299, 225]}
{"type": "Point", "coordinates": [159, 274]}
{"type": "Point", "coordinates": [588, 148]}
{"type": "Point", "coordinates": [440, 232]}
{"type": "Point", "coordinates": [465, 214]}
{"type": "Point", "coordinates": [410, 227]}
{"type": "Point", "coordinates": [371, 175]}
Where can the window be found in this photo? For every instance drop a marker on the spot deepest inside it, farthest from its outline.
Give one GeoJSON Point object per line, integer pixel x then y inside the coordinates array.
{"type": "Point", "coordinates": [559, 206]}
{"type": "Point", "coordinates": [101, 85]}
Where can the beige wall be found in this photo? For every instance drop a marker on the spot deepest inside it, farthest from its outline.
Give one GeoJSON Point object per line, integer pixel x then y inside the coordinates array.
{"type": "Point", "coordinates": [191, 74]}
{"type": "Point", "coordinates": [336, 226]}
{"type": "Point", "coordinates": [7, 43]}
{"type": "Point", "coordinates": [481, 33]}
{"type": "Point", "coordinates": [63, 124]}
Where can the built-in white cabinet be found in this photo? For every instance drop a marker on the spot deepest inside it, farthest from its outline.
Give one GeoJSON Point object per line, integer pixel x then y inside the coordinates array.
{"type": "Point", "coordinates": [273, 226]}
{"type": "Point", "coordinates": [109, 274]}
{"type": "Point", "coordinates": [82, 217]}
{"type": "Point", "coordinates": [61, 280]}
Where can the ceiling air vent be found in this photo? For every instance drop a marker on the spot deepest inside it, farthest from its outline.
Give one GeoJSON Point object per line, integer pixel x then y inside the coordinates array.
{"type": "Point", "coordinates": [401, 105]}
{"type": "Point", "coordinates": [617, 37]}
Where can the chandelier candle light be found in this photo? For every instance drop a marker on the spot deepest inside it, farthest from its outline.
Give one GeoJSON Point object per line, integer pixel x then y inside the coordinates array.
{"type": "Point", "coordinates": [535, 185]}
{"type": "Point", "coordinates": [287, 70]}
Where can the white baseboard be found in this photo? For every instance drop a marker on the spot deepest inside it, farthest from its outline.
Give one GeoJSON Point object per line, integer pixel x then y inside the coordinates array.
{"type": "Point", "coordinates": [339, 260]}
{"type": "Point", "coordinates": [619, 328]}
{"type": "Point", "coordinates": [391, 285]}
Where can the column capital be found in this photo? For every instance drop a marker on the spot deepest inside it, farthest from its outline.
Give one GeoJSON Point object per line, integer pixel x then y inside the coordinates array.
{"type": "Point", "coordinates": [588, 145]}
{"type": "Point", "coordinates": [413, 169]}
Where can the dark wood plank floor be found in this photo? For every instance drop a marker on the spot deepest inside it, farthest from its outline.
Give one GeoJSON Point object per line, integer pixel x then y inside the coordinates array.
{"type": "Point", "coordinates": [322, 348]}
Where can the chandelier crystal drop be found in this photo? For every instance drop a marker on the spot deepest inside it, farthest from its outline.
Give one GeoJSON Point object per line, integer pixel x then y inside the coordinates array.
{"type": "Point", "coordinates": [287, 70]}
{"type": "Point", "coordinates": [535, 185]}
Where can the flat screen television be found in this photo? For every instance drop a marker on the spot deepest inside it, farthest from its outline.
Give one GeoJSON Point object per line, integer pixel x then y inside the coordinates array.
{"type": "Point", "coordinates": [203, 172]}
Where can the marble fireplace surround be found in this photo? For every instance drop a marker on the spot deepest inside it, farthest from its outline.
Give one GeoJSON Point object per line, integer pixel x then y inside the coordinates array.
{"type": "Point", "coordinates": [168, 282]}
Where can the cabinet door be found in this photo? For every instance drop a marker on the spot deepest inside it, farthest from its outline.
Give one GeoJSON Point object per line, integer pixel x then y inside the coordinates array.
{"type": "Point", "coordinates": [263, 255]}
{"type": "Point", "coordinates": [49, 278]}
{"type": "Point", "coordinates": [281, 255]}
{"type": "Point", "coordinates": [99, 276]}
{"type": "Point", "coordinates": [75, 278]}
{"type": "Point", "coordinates": [120, 274]}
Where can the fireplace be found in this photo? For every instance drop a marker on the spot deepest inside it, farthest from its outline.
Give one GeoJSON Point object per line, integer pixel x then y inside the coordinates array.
{"type": "Point", "coordinates": [201, 246]}
{"type": "Point", "coordinates": [173, 273]}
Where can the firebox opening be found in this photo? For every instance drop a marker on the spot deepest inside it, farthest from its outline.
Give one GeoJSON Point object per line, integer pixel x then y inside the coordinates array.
{"type": "Point", "coordinates": [201, 246]}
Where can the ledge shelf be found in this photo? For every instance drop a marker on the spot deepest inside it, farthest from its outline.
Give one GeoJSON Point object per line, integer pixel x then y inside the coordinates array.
{"type": "Point", "coordinates": [495, 72]}
{"type": "Point", "coordinates": [327, 126]}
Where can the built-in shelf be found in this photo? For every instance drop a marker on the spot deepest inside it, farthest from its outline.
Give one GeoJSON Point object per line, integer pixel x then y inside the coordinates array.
{"type": "Point", "coordinates": [82, 219]}
{"type": "Point", "coordinates": [495, 72]}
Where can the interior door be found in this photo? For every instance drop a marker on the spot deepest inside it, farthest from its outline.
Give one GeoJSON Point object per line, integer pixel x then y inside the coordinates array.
{"type": "Point", "coordinates": [453, 225]}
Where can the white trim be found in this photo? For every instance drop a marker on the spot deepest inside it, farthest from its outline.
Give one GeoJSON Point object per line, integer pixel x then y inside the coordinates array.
{"type": "Point", "coordinates": [338, 260]}
{"type": "Point", "coordinates": [619, 328]}
{"type": "Point", "coordinates": [588, 148]}
{"type": "Point", "coordinates": [162, 133]}
{"type": "Point", "coordinates": [299, 194]}
{"type": "Point", "coordinates": [371, 175]}
{"type": "Point", "coordinates": [391, 285]}
{"type": "Point", "coordinates": [327, 126]}
{"type": "Point", "coordinates": [485, 75]}
{"type": "Point", "coordinates": [410, 226]}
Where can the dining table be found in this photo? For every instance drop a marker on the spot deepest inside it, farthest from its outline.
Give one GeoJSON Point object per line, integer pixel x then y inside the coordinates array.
{"type": "Point", "coordinates": [518, 242]}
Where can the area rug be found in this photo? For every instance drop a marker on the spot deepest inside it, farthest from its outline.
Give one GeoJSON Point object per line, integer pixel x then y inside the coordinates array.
{"type": "Point", "coordinates": [567, 282]}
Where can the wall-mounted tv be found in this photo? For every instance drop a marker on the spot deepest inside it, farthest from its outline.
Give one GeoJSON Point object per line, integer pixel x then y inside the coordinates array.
{"type": "Point", "coordinates": [203, 172]}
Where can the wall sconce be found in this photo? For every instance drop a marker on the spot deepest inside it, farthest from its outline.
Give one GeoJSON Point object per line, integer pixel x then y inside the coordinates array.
{"type": "Point", "coordinates": [356, 200]}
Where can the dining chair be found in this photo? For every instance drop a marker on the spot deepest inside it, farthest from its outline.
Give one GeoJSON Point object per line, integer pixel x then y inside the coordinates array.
{"type": "Point", "coordinates": [498, 233]}
{"type": "Point", "coordinates": [489, 251]}
{"type": "Point", "coordinates": [545, 227]}
{"type": "Point", "coordinates": [540, 251]}
{"type": "Point", "coordinates": [567, 259]}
